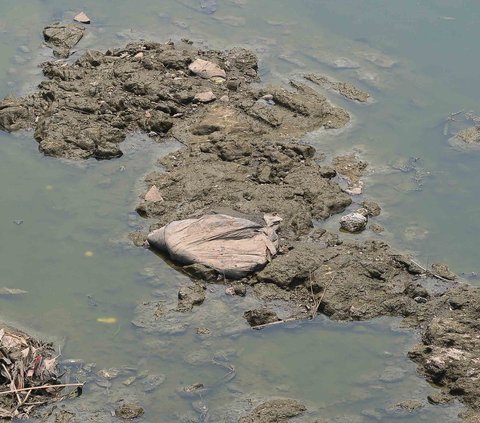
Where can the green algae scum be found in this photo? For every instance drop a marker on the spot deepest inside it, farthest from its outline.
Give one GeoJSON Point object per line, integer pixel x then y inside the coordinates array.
{"type": "Point", "coordinates": [74, 277]}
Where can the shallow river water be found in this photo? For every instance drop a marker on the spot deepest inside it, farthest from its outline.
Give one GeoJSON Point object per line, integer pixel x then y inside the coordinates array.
{"type": "Point", "coordinates": [63, 225]}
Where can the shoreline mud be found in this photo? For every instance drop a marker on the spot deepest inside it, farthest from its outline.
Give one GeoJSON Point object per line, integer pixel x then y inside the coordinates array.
{"type": "Point", "coordinates": [243, 156]}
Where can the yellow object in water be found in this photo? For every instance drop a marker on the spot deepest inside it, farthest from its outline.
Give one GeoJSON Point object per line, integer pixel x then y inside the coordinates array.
{"type": "Point", "coordinates": [49, 187]}
{"type": "Point", "coordinates": [107, 320]}
{"type": "Point", "coordinates": [88, 253]}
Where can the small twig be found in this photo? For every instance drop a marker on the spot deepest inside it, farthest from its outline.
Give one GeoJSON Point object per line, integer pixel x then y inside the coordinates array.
{"type": "Point", "coordinates": [317, 304]}
{"type": "Point", "coordinates": [33, 388]}
{"type": "Point", "coordinates": [12, 382]}
{"type": "Point", "coordinates": [428, 272]}
{"type": "Point", "coordinates": [276, 322]}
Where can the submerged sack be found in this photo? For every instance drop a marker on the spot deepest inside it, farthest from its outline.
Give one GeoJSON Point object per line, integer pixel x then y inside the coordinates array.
{"type": "Point", "coordinates": [233, 246]}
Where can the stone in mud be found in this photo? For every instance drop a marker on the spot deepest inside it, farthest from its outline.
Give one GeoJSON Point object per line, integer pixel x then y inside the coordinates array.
{"type": "Point", "coordinates": [274, 411]}
{"type": "Point", "coordinates": [129, 411]}
{"type": "Point", "coordinates": [82, 18]}
{"type": "Point", "coordinates": [205, 97]}
{"type": "Point", "coordinates": [153, 194]}
{"type": "Point", "coordinates": [442, 270]}
{"type": "Point", "coordinates": [206, 69]}
{"type": "Point", "coordinates": [353, 222]}
{"type": "Point", "coordinates": [189, 296]}
{"type": "Point", "coordinates": [62, 38]}
{"type": "Point", "coordinates": [260, 316]}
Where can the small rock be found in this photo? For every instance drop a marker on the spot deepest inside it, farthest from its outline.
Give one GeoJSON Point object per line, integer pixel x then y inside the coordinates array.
{"type": "Point", "coordinates": [203, 331]}
{"type": "Point", "coordinates": [153, 194]}
{"type": "Point", "coordinates": [206, 69]}
{"type": "Point", "coordinates": [129, 411]}
{"type": "Point", "coordinates": [82, 18]}
{"type": "Point", "coordinates": [443, 271]}
{"type": "Point", "coordinates": [353, 222]}
{"type": "Point", "coordinates": [224, 99]}
{"type": "Point", "coordinates": [205, 97]}
{"type": "Point", "coordinates": [139, 55]}
{"type": "Point", "coordinates": [260, 316]}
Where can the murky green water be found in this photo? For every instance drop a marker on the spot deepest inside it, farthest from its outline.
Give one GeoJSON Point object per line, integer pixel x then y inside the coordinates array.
{"type": "Point", "coordinates": [53, 212]}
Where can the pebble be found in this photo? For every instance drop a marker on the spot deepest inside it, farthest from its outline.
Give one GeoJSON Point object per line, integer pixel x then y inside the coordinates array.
{"type": "Point", "coordinates": [205, 97]}
{"type": "Point", "coordinates": [206, 69]}
{"type": "Point", "coordinates": [353, 222]}
{"type": "Point", "coordinates": [82, 18]}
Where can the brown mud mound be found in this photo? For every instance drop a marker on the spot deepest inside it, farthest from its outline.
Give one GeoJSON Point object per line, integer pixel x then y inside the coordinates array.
{"type": "Point", "coordinates": [86, 109]}
{"type": "Point", "coordinates": [252, 178]}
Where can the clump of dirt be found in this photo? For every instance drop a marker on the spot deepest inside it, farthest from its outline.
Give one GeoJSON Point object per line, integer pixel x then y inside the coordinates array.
{"type": "Point", "coordinates": [351, 170]}
{"type": "Point", "coordinates": [346, 89]}
{"type": "Point", "coordinates": [86, 109]}
{"type": "Point", "coordinates": [274, 411]}
{"type": "Point", "coordinates": [252, 178]}
{"type": "Point", "coordinates": [29, 375]}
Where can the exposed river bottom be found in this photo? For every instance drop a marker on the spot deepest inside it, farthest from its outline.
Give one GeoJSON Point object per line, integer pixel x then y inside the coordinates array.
{"type": "Point", "coordinates": [241, 154]}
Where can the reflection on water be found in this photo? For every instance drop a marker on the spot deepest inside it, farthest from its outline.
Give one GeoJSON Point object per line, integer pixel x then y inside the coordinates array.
{"type": "Point", "coordinates": [63, 225]}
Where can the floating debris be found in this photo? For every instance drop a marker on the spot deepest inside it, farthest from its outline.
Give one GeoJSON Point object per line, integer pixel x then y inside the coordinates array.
{"type": "Point", "coordinates": [12, 291]}
{"type": "Point", "coordinates": [107, 320]}
{"type": "Point", "coordinates": [29, 376]}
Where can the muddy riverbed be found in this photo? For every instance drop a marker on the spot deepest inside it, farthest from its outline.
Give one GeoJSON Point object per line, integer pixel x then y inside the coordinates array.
{"type": "Point", "coordinates": [107, 289]}
{"type": "Point", "coordinates": [242, 155]}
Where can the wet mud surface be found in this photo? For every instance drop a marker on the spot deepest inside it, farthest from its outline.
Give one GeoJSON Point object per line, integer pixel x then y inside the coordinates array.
{"type": "Point", "coordinates": [243, 156]}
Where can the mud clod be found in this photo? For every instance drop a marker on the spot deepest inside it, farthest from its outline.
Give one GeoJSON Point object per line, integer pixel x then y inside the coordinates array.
{"type": "Point", "coordinates": [61, 38]}
{"type": "Point", "coordinates": [190, 296]}
{"type": "Point", "coordinates": [128, 411]}
{"type": "Point", "coordinates": [275, 411]}
{"type": "Point", "coordinates": [260, 316]}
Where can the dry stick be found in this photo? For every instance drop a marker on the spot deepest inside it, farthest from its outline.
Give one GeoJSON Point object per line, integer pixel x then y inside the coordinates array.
{"type": "Point", "coordinates": [13, 383]}
{"type": "Point", "coordinates": [428, 272]}
{"type": "Point", "coordinates": [33, 388]}
{"type": "Point", "coordinates": [292, 319]}
{"type": "Point", "coordinates": [317, 304]}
